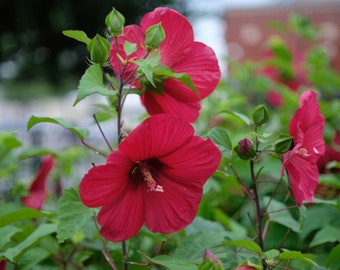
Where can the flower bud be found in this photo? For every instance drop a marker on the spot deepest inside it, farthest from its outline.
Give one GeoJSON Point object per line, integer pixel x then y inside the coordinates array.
{"type": "Point", "coordinates": [246, 267]}
{"type": "Point", "coordinates": [115, 22]}
{"type": "Point", "coordinates": [154, 36]}
{"type": "Point", "coordinates": [99, 49]}
{"type": "Point", "coordinates": [210, 262]}
{"type": "Point", "coordinates": [260, 115]}
{"type": "Point", "coordinates": [283, 144]}
{"type": "Point", "coordinates": [245, 149]}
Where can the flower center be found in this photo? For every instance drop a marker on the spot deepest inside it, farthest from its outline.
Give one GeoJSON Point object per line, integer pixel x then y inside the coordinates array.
{"type": "Point", "coordinates": [141, 172]}
{"type": "Point", "coordinates": [302, 152]}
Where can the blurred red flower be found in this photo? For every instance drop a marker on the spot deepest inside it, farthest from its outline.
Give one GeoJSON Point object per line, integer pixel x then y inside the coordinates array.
{"type": "Point", "coordinates": [180, 53]}
{"type": "Point", "coordinates": [155, 177]}
{"type": "Point", "coordinates": [332, 153]}
{"type": "Point", "coordinates": [37, 189]}
{"type": "Point", "coordinates": [306, 128]}
{"type": "Point", "coordinates": [294, 81]}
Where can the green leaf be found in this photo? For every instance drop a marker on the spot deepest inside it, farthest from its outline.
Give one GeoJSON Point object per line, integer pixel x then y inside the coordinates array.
{"type": "Point", "coordinates": [77, 35]}
{"type": "Point", "coordinates": [82, 133]}
{"type": "Point", "coordinates": [92, 82]}
{"type": "Point", "coordinates": [279, 213]}
{"type": "Point", "coordinates": [247, 244]}
{"type": "Point", "coordinates": [32, 257]}
{"type": "Point", "coordinates": [173, 263]}
{"type": "Point", "coordinates": [182, 77]}
{"type": "Point", "coordinates": [6, 234]}
{"type": "Point", "coordinates": [8, 142]}
{"type": "Point", "coordinates": [34, 152]}
{"type": "Point", "coordinates": [221, 138]}
{"type": "Point", "coordinates": [129, 47]}
{"type": "Point", "coordinates": [297, 255]}
{"type": "Point", "coordinates": [240, 116]}
{"type": "Point", "coordinates": [41, 231]}
{"type": "Point", "coordinates": [21, 214]}
{"type": "Point", "coordinates": [193, 245]}
{"type": "Point", "coordinates": [334, 255]}
{"type": "Point", "coordinates": [72, 214]}
{"type": "Point", "coordinates": [327, 234]}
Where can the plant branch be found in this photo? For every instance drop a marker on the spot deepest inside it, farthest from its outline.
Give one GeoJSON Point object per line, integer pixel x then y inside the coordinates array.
{"type": "Point", "coordinates": [104, 249]}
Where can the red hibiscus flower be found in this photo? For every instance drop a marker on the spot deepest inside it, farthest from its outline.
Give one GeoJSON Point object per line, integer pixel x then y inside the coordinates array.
{"type": "Point", "coordinates": [306, 127]}
{"type": "Point", "coordinates": [180, 53]}
{"type": "Point", "coordinates": [154, 177]}
{"type": "Point", "coordinates": [37, 189]}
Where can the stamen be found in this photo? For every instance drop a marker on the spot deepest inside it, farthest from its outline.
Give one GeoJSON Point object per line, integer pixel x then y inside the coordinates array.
{"type": "Point", "coordinates": [303, 152]}
{"type": "Point", "coordinates": [316, 151]}
{"type": "Point", "coordinates": [150, 181]}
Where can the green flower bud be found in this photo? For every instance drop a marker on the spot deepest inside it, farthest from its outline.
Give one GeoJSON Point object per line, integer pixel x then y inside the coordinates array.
{"type": "Point", "coordinates": [283, 144]}
{"type": "Point", "coordinates": [245, 149]}
{"type": "Point", "coordinates": [260, 115]}
{"type": "Point", "coordinates": [115, 23]}
{"type": "Point", "coordinates": [99, 49]}
{"type": "Point", "coordinates": [154, 36]}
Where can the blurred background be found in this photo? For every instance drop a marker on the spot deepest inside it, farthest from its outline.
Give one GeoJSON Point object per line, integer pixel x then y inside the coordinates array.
{"type": "Point", "coordinates": [40, 68]}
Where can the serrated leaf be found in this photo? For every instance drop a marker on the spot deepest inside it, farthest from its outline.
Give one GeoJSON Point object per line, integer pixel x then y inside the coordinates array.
{"type": "Point", "coordinates": [77, 35]}
{"type": "Point", "coordinates": [221, 138]}
{"type": "Point", "coordinates": [173, 263]}
{"type": "Point", "coordinates": [72, 214]}
{"type": "Point", "coordinates": [247, 244]}
{"type": "Point", "coordinates": [21, 214]}
{"type": "Point", "coordinates": [297, 255]}
{"type": "Point", "coordinates": [240, 116]}
{"type": "Point", "coordinates": [41, 231]}
{"type": "Point", "coordinates": [92, 82]}
{"type": "Point", "coordinates": [192, 247]}
{"type": "Point", "coordinates": [334, 255]}
{"type": "Point", "coordinates": [82, 133]}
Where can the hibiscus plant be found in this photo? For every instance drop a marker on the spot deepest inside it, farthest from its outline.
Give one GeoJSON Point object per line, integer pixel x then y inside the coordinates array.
{"type": "Point", "coordinates": [234, 173]}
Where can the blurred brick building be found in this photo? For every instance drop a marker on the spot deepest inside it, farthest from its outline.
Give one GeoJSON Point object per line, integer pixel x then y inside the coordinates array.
{"type": "Point", "coordinates": [249, 29]}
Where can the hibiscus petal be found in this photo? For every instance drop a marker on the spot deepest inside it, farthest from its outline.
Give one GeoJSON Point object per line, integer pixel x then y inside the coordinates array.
{"type": "Point", "coordinates": [201, 65]}
{"type": "Point", "coordinates": [303, 176]}
{"type": "Point", "coordinates": [307, 125]}
{"type": "Point", "coordinates": [123, 216]}
{"type": "Point", "coordinates": [173, 209]}
{"type": "Point", "coordinates": [157, 104]}
{"type": "Point", "coordinates": [157, 136]}
{"type": "Point", "coordinates": [102, 183]}
{"type": "Point", "coordinates": [179, 34]}
{"type": "Point", "coordinates": [194, 163]}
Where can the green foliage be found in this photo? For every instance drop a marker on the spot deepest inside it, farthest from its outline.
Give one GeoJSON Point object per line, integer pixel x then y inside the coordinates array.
{"type": "Point", "coordinates": [72, 215]}
{"type": "Point", "coordinates": [82, 133]}
{"type": "Point", "coordinates": [77, 35]}
{"type": "Point", "coordinates": [92, 82]}
{"type": "Point", "coordinates": [247, 216]}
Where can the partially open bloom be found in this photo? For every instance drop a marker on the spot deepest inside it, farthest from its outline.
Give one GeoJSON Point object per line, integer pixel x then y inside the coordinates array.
{"type": "Point", "coordinates": [306, 127]}
{"type": "Point", "coordinates": [180, 53]}
{"type": "Point", "coordinates": [154, 177]}
{"type": "Point", "coordinates": [37, 190]}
